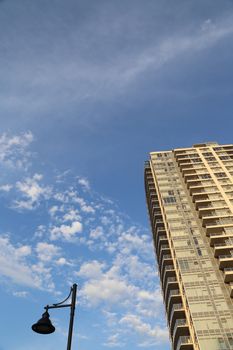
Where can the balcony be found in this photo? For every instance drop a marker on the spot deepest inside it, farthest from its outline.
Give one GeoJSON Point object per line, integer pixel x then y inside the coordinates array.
{"type": "Point", "coordinates": [172, 284]}
{"type": "Point", "coordinates": [192, 180]}
{"type": "Point", "coordinates": [184, 343]}
{"type": "Point", "coordinates": [161, 239]}
{"type": "Point", "coordinates": [159, 234]}
{"type": "Point", "coordinates": [216, 226]}
{"type": "Point", "coordinates": [169, 271]}
{"type": "Point", "coordinates": [223, 248]}
{"type": "Point", "coordinates": [173, 297]}
{"type": "Point", "coordinates": [190, 174]}
{"type": "Point", "coordinates": [225, 261]}
{"type": "Point", "coordinates": [228, 274]}
{"type": "Point", "coordinates": [201, 190]}
{"type": "Point", "coordinates": [162, 245]}
{"type": "Point", "coordinates": [231, 289]}
{"type": "Point", "coordinates": [185, 163]}
{"type": "Point", "coordinates": [175, 311]}
{"type": "Point", "coordinates": [199, 186]}
{"type": "Point", "coordinates": [194, 184]}
{"type": "Point", "coordinates": [218, 217]}
{"type": "Point", "coordinates": [177, 314]}
{"type": "Point", "coordinates": [180, 325]}
{"type": "Point", "coordinates": [218, 208]}
{"type": "Point", "coordinates": [166, 260]}
{"type": "Point", "coordinates": [220, 237]}
{"type": "Point", "coordinates": [158, 223]}
{"type": "Point", "coordinates": [208, 202]}
{"type": "Point", "coordinates": [200, 197]}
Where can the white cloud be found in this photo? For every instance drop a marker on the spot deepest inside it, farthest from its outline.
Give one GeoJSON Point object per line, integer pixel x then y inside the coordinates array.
{"type": "Point", "coordinates": [24, 250]}
{"type": "Point", "coordinates": [97, 233]}
{"type": "Point", "coordinates": [133, 240]}
{"type": "Point", "coordinates": [43, 276]}
{"type": "Point", "coordinates": [62, 262]}
{"type": "Point", "coordinates": [92, 269]}
{"type": "Point", "coordinates": [46, 252]}
{"type": "Point", "coordinates": [14, 266]}
{"type": "Point", "coordinates": [84, 183]}
{"type": "Point", "coordinates": [21, 294]}
{"type": "Point", "coordinates": [135, 322]}
{"type": "Point", "coordinates": [6, 188]}
{"type": "Point", "coordinates": [87, 209]}
{"type": "Point", "coordinates": [67, 232]}
{"type": "Point", "coordinates": [32, 192]}
{"type": "Point", "coordinates": [84, 207]}
{"type": "Point", "coordinates": [71, 215]}
{"type": "Point", "coordinates": [13, 149]}
{"type": "Point", "coordinates": [114, 341]}
{"type": "Point", "coordinates": [108, 287]}
{"type": "Point", "coordinates": [53, 210]}
{"type": "Point", "coordinates": [110, 290]}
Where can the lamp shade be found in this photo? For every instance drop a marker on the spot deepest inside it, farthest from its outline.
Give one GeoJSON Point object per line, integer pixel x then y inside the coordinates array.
{"type": "Point", "coordinates": [44, 325]}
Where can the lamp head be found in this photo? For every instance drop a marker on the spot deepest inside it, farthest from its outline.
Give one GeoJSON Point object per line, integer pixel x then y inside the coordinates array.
{"type": "Point", "coordinates": [44, 325]}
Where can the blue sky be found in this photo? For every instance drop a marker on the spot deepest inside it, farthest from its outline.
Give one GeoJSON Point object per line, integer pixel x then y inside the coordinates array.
{"type": "Point", "coordinates": [88, 89]}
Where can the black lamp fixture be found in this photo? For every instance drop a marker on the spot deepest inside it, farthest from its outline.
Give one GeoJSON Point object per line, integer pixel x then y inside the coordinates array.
{"type": "Point", "coordinates": [44, 325]}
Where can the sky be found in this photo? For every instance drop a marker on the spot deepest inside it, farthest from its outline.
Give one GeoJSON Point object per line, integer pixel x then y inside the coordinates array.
{"type": "Point", "coordinates": [87, 90]}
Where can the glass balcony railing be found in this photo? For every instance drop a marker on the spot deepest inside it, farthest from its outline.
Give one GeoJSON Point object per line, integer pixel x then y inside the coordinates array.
{"type": "Point", "coordinates": [167, 256]}
{"type": "Point", "coordinates": [224, 244]}
{"type": "Point", "coordinates": [184, 339]}
{"type": "Point", "coordinates": [175, 307]}
{"type": "Point", "coordinates": [228, 269]}
{"type": "Point", "coordinates": [179, 322]}
{"type": "Point", "coordinates": [172, 292]}
{"type": "Point", "coordinates": [222, 233]}
{"type": "Point", "coordinates": [226, 256]}
{"type": "Point", "coordinates": [169, 267]}
{"type": "Point", "coordinates": [169, 279]}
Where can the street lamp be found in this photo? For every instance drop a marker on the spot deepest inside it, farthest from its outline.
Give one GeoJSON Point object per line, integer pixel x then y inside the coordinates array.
{"type": "Point", "coordinates": [44, 325]}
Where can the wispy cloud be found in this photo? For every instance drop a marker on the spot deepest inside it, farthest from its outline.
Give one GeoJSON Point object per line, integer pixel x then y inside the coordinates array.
{"type": "Point", "coordinates": [67, 232]}
{"type": "Point", "coordinates": [120, 278]}
{"type": "Point", "coordinates": [105, 76]}
{"type": "Point", "coordinates": [19, 268]}
{"type": "Point", "coordinates": [14, 151]}
{"type": "Point", "coordinates": [32, 192]}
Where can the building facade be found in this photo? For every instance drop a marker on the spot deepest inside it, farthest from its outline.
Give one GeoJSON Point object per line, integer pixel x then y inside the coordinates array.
{"type": "Point", "coordinates": [189, 195]}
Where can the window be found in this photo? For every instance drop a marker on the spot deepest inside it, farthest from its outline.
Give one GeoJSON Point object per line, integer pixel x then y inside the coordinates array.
{"type": "Point", "coordinates": [224, 157]}
{"type": "Point", "coordinates": [220, 174]}
{"type": "Point", "coordinates": [199, 251]}
{"type": "Point", "coordinates": [168, 200]}
{"type": "Point", "coordinates": [205, 176]}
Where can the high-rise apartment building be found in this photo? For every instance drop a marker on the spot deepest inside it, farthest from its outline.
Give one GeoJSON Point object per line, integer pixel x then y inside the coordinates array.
{"type": "Point", "coordinates": [189, 195]}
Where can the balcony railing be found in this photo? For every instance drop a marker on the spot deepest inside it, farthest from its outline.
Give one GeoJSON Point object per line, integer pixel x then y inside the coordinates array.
{"type": "Point", "coordinates": [228, 274]}
{"type": "Point", "coordinates": [179, 323]}
{"type": "Point", "coordinates": [184, 339]}
{"type": "Point", "coordinates": [173, 292]}
{"type": "Point", "coordinates": [224, 244]}
{"type": "Point", "coordinates": [225, 260]}
{"type": "Point", "coordinates": [227, 269]}
{"type": "Point", "coordinates": [226, 256]}
{"type": "Point", "coordinates": [175, 307]}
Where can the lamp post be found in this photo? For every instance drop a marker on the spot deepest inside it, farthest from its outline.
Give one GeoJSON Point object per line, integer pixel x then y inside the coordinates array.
{"type": "Point", "coordinates": [44, 325]}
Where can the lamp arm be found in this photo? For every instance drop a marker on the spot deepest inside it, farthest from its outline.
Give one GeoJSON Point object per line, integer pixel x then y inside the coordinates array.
{"type": "Point", "coordinates": [47, 307]}
{"type": "Point", "coordinates": [59, 305]}
{"type": "Point", "coordinates": [62, 302]}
